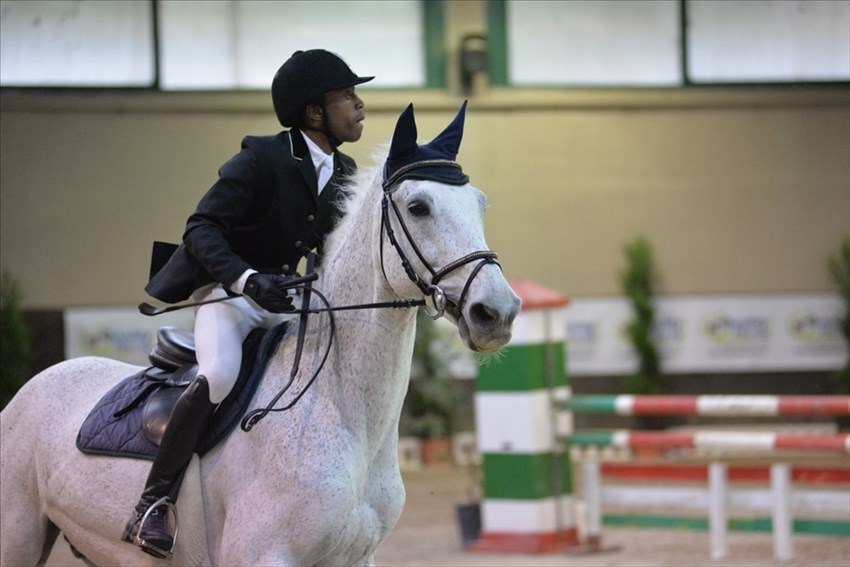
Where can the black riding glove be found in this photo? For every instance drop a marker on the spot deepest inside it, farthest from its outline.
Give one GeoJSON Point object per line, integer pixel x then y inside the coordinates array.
{"type": "Point", "coordinates": [269, 292]}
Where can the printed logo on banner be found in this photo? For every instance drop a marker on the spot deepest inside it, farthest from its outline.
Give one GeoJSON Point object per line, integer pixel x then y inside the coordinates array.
{"type": "Point", "coordinates": [809, 327]}
{"type": "Point", "coordinates": [723, 329]}
{"type": "Point", "coordinates": [813, 335]}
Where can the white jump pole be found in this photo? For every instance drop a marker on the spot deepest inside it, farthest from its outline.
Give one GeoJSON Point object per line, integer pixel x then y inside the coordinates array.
{"type": "Point", "coordinates": [718, 504]}
{"type": "Point", "coordinates": [780, 485]}
{"type": "Point", "coordinates": [592, 480]}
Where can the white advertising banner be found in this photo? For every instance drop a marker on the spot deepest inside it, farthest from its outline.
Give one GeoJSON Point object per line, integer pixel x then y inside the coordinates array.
{"type": "Point", "coordinates": [711, 334]}
{"type": "Point", "coordinates": [695, 334]}
{"type": "Point", "coordinates": [120, 333]}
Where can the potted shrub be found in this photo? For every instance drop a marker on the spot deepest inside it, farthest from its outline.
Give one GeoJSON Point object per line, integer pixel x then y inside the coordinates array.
{"type": "Point", "coordinates": [638, 282]}
{"type": "Point", "coordinates": [431, 398]}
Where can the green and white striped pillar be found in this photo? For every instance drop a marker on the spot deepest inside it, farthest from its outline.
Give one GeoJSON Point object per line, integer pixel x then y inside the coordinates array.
{"type": "Point", "coordinates": [527, 502]}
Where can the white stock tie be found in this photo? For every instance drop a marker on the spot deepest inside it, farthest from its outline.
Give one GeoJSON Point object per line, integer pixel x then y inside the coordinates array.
{"type": "Point", "coordinates": [325, 171]}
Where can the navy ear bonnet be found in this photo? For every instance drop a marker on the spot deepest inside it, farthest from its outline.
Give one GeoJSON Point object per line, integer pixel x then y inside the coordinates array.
{"type": "Point", "coordinates": [435, 161]}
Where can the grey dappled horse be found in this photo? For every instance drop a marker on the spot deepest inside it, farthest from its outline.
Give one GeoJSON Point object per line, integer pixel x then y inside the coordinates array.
{"type": "Point", "coordinates": [319, 483]}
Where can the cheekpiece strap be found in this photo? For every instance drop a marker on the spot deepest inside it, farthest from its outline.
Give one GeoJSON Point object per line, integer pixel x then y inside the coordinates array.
{"type": "Point", "coordinates": [388, 183]}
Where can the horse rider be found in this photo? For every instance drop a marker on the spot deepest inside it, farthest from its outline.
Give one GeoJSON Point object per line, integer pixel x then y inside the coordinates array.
{"type": "Point", "coordinates": [273, 202]}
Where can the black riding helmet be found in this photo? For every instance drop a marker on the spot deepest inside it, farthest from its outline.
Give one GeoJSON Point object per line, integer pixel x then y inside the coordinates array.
{"type": "Point", "coordinates": [305, 77]}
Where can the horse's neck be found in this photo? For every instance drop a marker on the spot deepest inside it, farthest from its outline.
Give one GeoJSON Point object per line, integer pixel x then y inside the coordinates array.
{"type": "Point", "coordinates": [372, 347]}
{"type": "Point", "coordinates": [352, 274]}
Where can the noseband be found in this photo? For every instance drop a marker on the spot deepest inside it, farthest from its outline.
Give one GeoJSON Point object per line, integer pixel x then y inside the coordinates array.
{"type": "Point", "coordinates": [430, 288]}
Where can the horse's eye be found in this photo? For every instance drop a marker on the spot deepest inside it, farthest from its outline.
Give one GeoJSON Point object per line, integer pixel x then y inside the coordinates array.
{"type": "Point", "coordinates": [418, 209]}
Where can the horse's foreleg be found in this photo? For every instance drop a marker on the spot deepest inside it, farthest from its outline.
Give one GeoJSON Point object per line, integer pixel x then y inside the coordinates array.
{"type": "Point", "coordinates": [26, 545]}
{"type": "Point", "coordinates": [26, 535]}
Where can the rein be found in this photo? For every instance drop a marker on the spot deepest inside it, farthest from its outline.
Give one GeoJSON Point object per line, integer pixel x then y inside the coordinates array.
{"type": "Point", "coordinates": [400, 304]}
{"type": "Point", "coordinates": [253, 417]}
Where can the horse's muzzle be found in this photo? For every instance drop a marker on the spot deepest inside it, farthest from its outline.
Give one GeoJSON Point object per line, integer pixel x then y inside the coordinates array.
{"type": "Point", "coordinates": [485, 326]}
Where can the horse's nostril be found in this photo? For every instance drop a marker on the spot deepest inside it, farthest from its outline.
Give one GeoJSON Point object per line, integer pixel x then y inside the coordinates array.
{"type": "Point", "coordinates": [483, 315]}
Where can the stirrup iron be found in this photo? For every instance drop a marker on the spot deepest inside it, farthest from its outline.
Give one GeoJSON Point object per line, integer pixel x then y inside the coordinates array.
{"type": "Point", "coordinates": [149, 547]}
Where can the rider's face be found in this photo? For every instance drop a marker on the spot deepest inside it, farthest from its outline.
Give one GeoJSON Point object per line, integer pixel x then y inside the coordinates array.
{"type": "Point", "coordinates": [345, 114]}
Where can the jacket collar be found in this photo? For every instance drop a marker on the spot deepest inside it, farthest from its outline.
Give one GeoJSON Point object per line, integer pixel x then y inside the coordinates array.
{"type": "Point", "coordinates": [298, 147]}
{"type": "Point", "coordinates": [301, 154]}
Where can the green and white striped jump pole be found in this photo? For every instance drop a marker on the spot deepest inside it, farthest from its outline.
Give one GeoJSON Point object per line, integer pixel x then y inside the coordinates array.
{"type": "Point", "coordinates": [527, 502]}
{"type": "Point", "coordinates": [752, 441]}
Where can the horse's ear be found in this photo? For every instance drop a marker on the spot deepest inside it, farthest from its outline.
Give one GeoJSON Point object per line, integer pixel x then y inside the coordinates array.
{"type": "Point", "coordinates": [404, 137]}
{"type": "Point", "coordinates": [448, 142]}
{"type": "Point", "coordinates": [434, 161]}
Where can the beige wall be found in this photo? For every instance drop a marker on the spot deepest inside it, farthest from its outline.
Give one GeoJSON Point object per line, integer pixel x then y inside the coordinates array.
{"type": "Point", "coordinates": [737, 194]}
{"type": "Point", "coordinates": [739, 190]}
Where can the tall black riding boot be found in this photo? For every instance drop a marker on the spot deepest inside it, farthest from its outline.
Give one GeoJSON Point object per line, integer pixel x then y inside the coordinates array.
{"type": "Point", "coordinates": [188, 420]}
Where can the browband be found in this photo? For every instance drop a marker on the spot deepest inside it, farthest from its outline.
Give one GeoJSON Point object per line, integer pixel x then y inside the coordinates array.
{"type": "Point", "coordinates": [417, 165]}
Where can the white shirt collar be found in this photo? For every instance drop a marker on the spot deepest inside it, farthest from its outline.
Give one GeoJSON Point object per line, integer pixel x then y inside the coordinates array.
{"type": "Point", "coordinates": [319, 157]}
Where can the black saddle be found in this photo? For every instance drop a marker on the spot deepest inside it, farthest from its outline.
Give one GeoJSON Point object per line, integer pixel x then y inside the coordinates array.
{"type": "Point", "coordinates": [131, 418]}
{"type": "Point", "coordinates": [174, 348]}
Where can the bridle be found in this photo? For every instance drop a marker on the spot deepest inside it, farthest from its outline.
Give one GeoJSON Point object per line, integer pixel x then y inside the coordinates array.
{"type": "Point", "coordinates": [439, 298]}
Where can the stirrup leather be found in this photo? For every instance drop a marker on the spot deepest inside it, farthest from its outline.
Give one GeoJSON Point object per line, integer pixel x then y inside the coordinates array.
{"type": "Point", "coordinates": [155, 550]}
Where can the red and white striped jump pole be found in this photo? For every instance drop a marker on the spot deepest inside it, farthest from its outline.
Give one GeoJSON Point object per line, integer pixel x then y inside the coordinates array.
{"type": "Point", "coordinates": [710, 405]}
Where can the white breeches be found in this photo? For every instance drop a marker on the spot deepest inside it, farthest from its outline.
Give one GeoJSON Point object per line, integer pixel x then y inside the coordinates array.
{"type": "Point", "coordinates": [220, 330]}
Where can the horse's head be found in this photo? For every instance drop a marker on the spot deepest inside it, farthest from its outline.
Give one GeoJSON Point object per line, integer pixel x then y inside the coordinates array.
{"type": "Point", "coordinates": [433, 218]}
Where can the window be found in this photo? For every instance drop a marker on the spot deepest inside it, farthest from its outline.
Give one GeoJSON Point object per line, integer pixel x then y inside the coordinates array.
{"type": "Point", "coordinates": [597, 42]}
{"type": "Point", "coordinates": [757, 41]}
{"type": "Point", "coordinates": [82, 44]}
{"type": "Point", "coordinates": [216, 44]}
{"type": "Point", "coordinates": [213, 44]}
